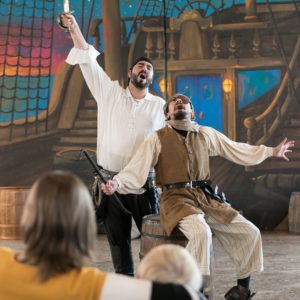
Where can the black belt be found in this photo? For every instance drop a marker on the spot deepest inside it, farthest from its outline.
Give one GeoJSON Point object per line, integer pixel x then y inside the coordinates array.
{"type": "Point", "coordinates": [110, 174]}
{"type": "Point", "coordinates": [203, 184]}
{"type": "Point", "coordinates": [188, 184]}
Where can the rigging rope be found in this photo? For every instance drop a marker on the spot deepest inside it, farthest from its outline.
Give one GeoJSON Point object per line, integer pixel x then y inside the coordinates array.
{"type": "Point", "coordinates": [25, 66]}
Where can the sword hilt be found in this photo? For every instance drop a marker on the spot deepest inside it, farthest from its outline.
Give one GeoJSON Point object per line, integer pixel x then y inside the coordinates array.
{"type": "Point", "coordinates": [96, 168]}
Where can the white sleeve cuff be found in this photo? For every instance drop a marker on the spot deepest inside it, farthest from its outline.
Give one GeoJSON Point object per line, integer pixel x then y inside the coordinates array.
{"type": "Point", "coordinates": [82, 56]}
{"type": "Point", "coordinates": [270, 151]}
{"type": "Point", "coordinates": [119, 183]}
{"type": "Point", "coordinates": [125, 288]}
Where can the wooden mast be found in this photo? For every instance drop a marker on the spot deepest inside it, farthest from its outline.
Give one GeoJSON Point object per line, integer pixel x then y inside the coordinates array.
{"type": "Point", "coordinates": [112, 38]}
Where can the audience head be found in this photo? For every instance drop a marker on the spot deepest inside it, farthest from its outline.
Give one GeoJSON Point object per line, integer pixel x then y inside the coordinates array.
{"type": "Point", "coordinates": [170, 263]}
{"type": "Point", "coordinates": [58, 224]}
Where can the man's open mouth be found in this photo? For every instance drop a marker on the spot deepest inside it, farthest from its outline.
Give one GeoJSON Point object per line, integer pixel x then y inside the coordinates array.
{"type": "Point", "coordinates": [142, 76]}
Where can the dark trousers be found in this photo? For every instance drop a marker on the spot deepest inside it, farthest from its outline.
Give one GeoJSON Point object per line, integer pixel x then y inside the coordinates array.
{"type": "Point", "coordinates": [118, 225]}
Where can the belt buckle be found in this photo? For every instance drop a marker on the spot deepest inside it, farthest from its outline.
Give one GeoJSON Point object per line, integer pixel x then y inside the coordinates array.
{"type": "Point", "coordinates": [190, 184]}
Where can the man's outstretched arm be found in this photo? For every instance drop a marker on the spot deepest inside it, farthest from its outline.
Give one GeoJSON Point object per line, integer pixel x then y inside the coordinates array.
{"type": "Point", "coordinates": [69, 21]}
{"type": "Point", "coordinates": [284, 147]}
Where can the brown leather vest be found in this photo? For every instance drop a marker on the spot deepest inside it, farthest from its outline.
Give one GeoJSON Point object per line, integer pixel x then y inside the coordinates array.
{"type": "Point", "coordinates": [184, 159]}
{"type": "Point", "coordinates": [181, 159]}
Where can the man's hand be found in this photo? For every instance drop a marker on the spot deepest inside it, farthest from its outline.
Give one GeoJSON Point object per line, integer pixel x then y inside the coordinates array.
{"type": "Point", "coordinates": [284, 147]}
{"type": "Point", "coordinates": [68, 21]}
{"type": "Point", "coordinates": [110, 187]}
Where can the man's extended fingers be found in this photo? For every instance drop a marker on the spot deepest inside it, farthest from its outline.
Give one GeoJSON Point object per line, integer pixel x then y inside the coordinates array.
{"type": "Point", "coordinates": [291, 143]}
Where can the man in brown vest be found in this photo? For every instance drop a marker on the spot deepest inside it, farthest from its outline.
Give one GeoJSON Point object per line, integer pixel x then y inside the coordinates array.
{"type": "Point", "coordinates": [180, 155]}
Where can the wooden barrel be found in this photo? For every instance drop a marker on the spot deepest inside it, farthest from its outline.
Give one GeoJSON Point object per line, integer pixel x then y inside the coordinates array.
{"type": "Point", "coordinates": [294, 213]}
{"type": "Point", "coordinates": [282, 183]}
{"type": "Point", "coordinates": [12, 200]}
{"type": "Point", "coordinates": [153, 235]}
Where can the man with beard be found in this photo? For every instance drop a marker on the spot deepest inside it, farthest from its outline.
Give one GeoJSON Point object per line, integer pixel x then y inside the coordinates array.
{"type": "Point", "coordinates": [125, 118]}
{"type": "Point", "coordinates": [180, 155]}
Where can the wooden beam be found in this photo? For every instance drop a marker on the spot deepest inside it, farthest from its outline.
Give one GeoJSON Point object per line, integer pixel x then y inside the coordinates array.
{"type": "Point", "coordinates": [211, 64]}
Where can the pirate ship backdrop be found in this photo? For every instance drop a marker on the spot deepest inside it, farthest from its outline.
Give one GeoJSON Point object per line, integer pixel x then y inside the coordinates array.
{"type": "Point", "coordinates": [237, 60]}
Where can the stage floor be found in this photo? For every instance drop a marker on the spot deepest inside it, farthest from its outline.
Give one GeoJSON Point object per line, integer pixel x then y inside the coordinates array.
{"type": "Point", "coordinates": [280, 280]}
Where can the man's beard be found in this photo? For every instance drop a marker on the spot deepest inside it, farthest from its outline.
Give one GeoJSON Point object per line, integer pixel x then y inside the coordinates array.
{"type": "Point", "coordinates": [140, 84]}
{"type": "Point", "coordinates": [180, 115]}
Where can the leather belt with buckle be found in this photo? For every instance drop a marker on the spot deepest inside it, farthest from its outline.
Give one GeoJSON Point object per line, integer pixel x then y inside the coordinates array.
{"type": "Point", "coordinates": [188, 184]}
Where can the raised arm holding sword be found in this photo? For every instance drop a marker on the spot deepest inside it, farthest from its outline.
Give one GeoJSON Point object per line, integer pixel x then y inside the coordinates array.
{"type": "Point", "coordinates": [125, 117]}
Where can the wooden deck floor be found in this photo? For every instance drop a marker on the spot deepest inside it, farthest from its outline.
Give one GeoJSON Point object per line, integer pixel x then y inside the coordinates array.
{"type": "Point", "coordinates": [280, 280]}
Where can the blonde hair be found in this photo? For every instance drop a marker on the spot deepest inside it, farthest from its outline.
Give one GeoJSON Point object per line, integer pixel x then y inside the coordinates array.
{"type": "Point", "coordinates": [170, 263]}
{"type": "Point", "coordinates": [58, 225]}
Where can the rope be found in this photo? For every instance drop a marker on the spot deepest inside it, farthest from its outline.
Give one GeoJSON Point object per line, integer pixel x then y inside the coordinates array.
{"type": "Point", "coordinates": [26, 61]}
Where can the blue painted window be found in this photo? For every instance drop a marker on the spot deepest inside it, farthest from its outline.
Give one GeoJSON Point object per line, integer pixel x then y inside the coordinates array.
{"type": "Point", "coordinates": [254, 84]}
{"type": "Point", "coordinates": [206, 95]}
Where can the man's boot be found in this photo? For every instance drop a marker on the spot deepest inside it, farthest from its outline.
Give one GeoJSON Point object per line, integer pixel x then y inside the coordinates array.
{"type": "Point", "coordinates": [122, 262]}
{"type": "Point", "coordinates": [238, 293]}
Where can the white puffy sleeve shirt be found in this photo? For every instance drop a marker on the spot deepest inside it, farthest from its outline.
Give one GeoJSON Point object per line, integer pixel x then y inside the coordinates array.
{"type": "Point", "coordinates": [132, 178]}
{"type": "Point", "coordinates": [123, 122]}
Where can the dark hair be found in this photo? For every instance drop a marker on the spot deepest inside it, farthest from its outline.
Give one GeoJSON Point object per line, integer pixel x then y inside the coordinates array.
{"type": "Point", "coordinates": [58, 224]}
{"type": "Point", "coordinates": [142, 58]}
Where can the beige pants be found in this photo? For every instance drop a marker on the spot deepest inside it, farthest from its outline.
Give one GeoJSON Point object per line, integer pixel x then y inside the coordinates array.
{"type": "Point", "coordinates": [241, 240]}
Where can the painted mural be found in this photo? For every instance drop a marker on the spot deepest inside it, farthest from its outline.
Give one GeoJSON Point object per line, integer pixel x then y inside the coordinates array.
{"type": "Point", "coordinates": [238, 63]}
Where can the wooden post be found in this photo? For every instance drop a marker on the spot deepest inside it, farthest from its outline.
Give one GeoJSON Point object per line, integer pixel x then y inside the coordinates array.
{"type": "Point", "coordinates": [250, 7]}
{"type": "Point", "coordinates": [112, 39]}
{"type": "Point", "coordinates": [230, 105]}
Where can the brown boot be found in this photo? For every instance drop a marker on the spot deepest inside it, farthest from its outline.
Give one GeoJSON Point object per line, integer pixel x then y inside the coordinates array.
{"type": "Point", "coordinates": [238, 293]}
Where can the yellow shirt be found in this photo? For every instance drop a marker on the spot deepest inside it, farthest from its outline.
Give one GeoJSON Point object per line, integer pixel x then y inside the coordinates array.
{"type": "Point", "coordinates": [19, 281]}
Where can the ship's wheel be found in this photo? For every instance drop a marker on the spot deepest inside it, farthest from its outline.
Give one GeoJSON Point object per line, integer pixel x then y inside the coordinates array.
{"type": "Point", "coordinates": [205, 7]}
